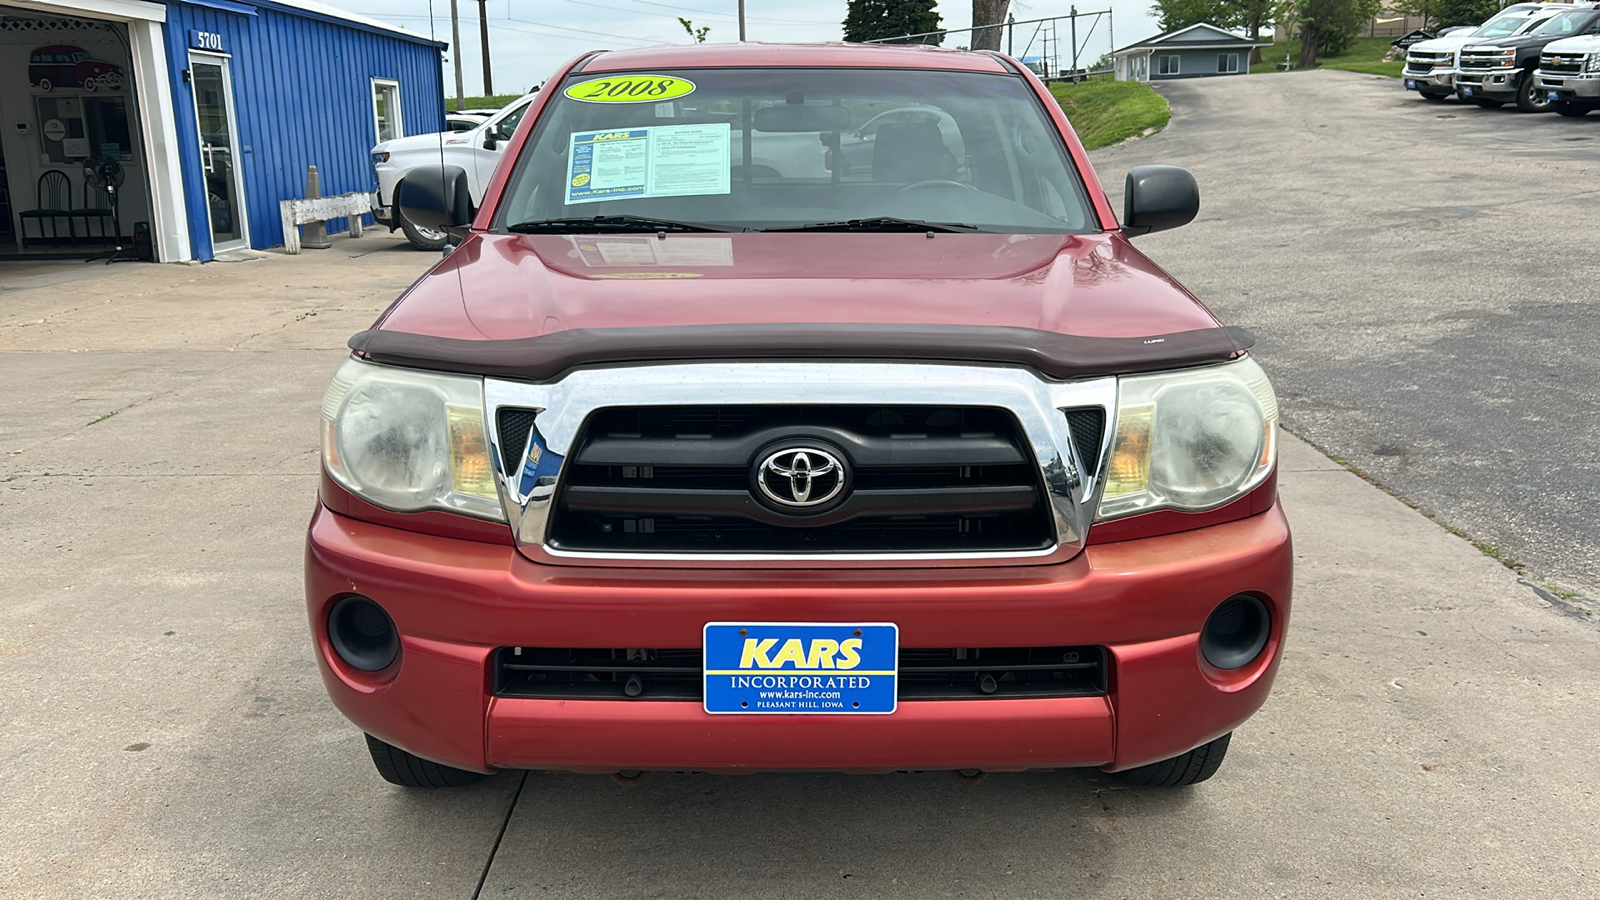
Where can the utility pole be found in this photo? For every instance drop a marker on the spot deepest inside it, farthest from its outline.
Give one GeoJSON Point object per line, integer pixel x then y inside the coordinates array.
{"type": "Point", "coordinates": [1011, 39]}
{"type": "Point", "coordinates": [455, 50]}
{"type": "Point", "coordinates": [741, 21]}
{"type": "Point", "coordinates": [1074, 47]}
{"type": "Point", "coordinates": [483, 34]}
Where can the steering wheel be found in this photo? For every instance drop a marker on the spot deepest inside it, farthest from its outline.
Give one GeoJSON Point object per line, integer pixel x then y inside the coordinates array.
{"type": "Point", "coordinates": [936, 182]}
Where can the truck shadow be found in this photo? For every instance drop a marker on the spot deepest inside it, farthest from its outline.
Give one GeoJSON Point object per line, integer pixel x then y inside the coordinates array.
{"type": "Point", "coordinates": [925, 834]}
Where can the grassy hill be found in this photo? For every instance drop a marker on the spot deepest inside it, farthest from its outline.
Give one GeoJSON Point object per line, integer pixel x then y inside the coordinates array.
{"type": "Point", "coordinates": [1104, 112]}
{"type": "Point", "coordinates": [1365, 55]}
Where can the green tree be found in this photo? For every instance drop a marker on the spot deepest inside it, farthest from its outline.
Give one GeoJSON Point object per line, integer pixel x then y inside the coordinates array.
{"type": "Point", "coordinates": [1464, 12]}
{"type": "Point", "coordinates": [1172, 15]}
{"type": "Point", "coordinates": [1251, 15]}
{"type": "Point", "coordinates": [1326, 27]}
{"type": "Point", "coordinates": [699, 34]}
{"type": "Point", "coordinates": [868, 20]}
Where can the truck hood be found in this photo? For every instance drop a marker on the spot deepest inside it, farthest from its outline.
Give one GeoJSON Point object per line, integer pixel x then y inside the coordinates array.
{"type": "Point", "coordinates": [1441, 44]}
{"type": "Point", "coordinates": [1514, 42]}
{"type": "Point", "coordinates": [509, 287]}
{"type": "Point", "coordinates": [425, 142]}
{"type": "Point", "coordinates": [1586, 43]}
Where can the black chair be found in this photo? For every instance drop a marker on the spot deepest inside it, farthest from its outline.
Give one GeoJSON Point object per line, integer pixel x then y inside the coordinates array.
{"type": "Point", "coordinates": [55, 202]}
{"type": "Point", "coordinates": [97, 205]}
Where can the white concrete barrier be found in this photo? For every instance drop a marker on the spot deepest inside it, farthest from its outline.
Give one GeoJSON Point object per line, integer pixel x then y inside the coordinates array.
{"type": "Point", "coordinates": [302, 212]}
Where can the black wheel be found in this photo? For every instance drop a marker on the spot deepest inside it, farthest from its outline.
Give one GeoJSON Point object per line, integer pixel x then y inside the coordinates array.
{"type": "Point", "coordinates": [1186, 768]}
{"type": "Point", "coordinates": [399, 767]}
{"type": "Point", "coordinates": [421, 238]}
{"type": "Point", "coordinates": [1531, 97]}
{"type": "Point", "coordinates": [1571, 110]}
{"type": "Point", "coordinates": [45, 85]}
{"type": "Point", "coordinates": [1433, 96]}
{"type": "Point", "coordinates": [1489, 104]}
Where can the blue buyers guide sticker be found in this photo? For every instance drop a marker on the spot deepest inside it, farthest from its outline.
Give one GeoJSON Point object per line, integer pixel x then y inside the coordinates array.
{"type": "Point", "coordinates": [801, 668]}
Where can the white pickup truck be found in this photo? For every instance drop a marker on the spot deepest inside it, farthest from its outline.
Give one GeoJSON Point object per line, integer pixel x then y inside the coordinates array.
{"type": "Point", "coordinates": [1431, 65]}
{"type": "Point", "coordinates": [477, 151]}
{"type": "Point", "coordinates": [1569, 70]}
{"type": "Point", "coordinates": [777, 155]}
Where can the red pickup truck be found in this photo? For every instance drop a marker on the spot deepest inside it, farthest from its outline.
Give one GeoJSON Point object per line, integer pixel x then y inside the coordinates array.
{"type": "Point", "coordinates": [913, 463]}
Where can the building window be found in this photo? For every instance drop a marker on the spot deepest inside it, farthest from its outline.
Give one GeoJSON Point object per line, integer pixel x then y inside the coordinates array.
{"type": "Point", "coordinates": [386, 109]}
{"type": "Point", "coordinates": [1167, 65]}
{"type": "Point", "coordinates": [1227, 63]}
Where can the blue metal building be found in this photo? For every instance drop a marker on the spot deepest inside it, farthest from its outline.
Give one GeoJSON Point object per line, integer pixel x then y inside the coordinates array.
{"type": "Point", "coordinates": [215, 111]}
{"type": "Point", "coordinates": [303, 85]}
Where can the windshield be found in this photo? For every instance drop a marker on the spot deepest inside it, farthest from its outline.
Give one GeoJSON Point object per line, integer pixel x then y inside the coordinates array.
{"type": "Point", "coordinates": [1508, 23]}
{"type": "Point", "coordinates": [1566, 23]}
{"type": "Point", "coordinates": [874, 149]}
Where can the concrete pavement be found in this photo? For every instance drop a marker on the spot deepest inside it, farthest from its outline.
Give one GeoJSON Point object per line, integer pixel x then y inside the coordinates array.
{"type": "Point", "coordinates": [163, 732]}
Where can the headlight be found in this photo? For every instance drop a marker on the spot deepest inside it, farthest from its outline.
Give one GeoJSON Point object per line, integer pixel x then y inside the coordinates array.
{"type": "Point", "coordinates": [1190, 440]}
{"type": "Point", "coordinates": [1593, 65]}
{"type": "Point", "coordinates": [409, 441]}
{"type": "Point", "coordinates": [380, 158]}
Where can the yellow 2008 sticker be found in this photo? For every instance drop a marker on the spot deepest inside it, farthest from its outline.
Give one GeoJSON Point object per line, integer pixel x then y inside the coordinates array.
{"type": "Point", "coordinates": [631, 89]}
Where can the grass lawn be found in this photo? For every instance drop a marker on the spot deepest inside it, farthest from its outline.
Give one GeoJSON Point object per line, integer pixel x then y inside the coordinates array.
{"type": "Point", "coordinates": [1104, 112]}
{"type": "Point", "coordinates": [1365, 55]}
{"type": "Point", "coordinates": [495, 102]}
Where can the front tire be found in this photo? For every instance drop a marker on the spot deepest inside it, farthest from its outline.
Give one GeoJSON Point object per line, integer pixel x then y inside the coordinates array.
{"type": "Point", "coordinates": [1186, 768]}
{"type": "Point", "coordinates": [1571, 110]}
{"type": "Point", "coordinates": [402, 768]}
{"type": "Point", "coordinates": [1531, 98]}
{"type": "Point", "coordinates": [421, 238]}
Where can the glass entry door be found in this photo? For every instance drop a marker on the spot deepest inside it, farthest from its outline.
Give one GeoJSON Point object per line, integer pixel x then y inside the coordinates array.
{"type": "Point", "coordinates": [219, 160]}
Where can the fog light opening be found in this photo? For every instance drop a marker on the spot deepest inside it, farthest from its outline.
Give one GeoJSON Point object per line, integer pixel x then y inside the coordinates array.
{"type": "Point", "coordinates": [1235, 632]}
{"type": "Point", "coordinates": [363, 634]}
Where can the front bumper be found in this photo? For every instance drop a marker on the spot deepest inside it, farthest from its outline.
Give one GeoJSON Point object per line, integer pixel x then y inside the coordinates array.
{"type": "Point", "coordinates": [383, 215]}
{"type": "Point", "coordinates": [1436, 81]}
{"type": "Point", "coordinates": [455, 601]}
{"type": "Point", "coordinates": [1495, 84]}
{"type": "Point", "coordinates": [1572, 88]}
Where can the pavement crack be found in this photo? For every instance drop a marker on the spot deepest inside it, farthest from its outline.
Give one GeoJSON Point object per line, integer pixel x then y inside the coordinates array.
{"type": "Point", "coordinates": [495, 850]}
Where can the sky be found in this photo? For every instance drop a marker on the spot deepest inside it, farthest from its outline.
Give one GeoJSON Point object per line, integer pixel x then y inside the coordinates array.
{"type": "Point", "coordinates": [530, 39]}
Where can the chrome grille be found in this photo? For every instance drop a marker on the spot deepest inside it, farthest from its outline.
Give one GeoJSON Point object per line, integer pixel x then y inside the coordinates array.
{"type": "Point", "coordinates": [1480, 60]}
{"type": "Point", "coordinates": [1561, 64]}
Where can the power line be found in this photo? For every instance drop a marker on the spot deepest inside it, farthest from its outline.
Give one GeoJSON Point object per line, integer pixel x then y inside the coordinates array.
{"type": "Point", "coordinates": [679, 8]}
{"type": "Point", "coordinates": [644, 42]}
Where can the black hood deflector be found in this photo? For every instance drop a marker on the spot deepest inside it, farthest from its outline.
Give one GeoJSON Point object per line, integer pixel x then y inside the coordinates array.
{"type": "Point", "coordinates": [1056, 355]}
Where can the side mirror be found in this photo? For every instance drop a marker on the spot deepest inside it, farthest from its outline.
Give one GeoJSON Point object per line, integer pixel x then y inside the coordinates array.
{"type": "Point", "coordinates": [435, 197]}
{"type": "Point", "coordinates": [491, 140]}
{"type": "Point", "coordinates": [1155, 198]}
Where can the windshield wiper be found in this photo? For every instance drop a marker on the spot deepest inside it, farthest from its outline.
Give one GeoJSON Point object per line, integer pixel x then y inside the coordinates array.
{"type": "Point", "coordinates": [593, 224]}
{"type": "Point", "coordinates": [880, 223]}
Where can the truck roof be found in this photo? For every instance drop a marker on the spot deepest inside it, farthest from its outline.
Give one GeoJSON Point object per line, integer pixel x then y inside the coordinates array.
{"type": "Point", "coordinates": [836, 53]}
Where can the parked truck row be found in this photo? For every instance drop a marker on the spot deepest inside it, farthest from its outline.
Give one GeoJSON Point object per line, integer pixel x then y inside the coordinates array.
{"type": "Point", "coordinates": [1540, 56]}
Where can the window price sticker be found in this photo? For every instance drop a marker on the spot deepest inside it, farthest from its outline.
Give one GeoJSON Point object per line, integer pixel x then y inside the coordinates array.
{"type": "Point", "coordinates": [657, 161]}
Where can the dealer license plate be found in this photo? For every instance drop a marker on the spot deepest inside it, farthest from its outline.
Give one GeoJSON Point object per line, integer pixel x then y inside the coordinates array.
{"type": "Point", "coordinates": [1555, 95]}
{"type": "Point", "coordinates": [1411, 84]}
{"type": "Point", "coordinates": [801, 668]}
{"type": "Point", "coordinates": [1467, 91]}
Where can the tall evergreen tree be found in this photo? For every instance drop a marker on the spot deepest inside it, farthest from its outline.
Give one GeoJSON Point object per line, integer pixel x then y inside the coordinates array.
{"type": "Point", "coordinates": [869, 20]}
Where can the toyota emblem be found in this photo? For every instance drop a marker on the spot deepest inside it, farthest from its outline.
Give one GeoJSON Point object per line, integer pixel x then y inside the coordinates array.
{"type": "Point", "coordinates": [800, 477]}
